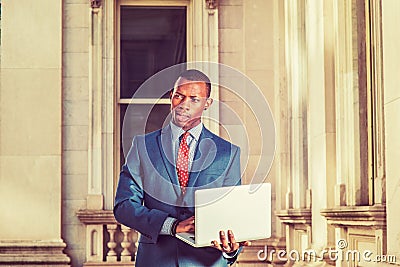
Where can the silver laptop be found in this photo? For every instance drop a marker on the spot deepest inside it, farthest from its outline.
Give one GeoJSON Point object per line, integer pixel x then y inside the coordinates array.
{"type": "Point", "coordinates": [244, 209]}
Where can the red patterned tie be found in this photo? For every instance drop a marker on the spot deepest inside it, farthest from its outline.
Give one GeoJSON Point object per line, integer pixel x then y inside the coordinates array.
{"type": "Point", "coordinates": [182, 162]}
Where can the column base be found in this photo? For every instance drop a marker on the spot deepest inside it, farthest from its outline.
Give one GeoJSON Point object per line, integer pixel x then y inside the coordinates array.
{"type": "Point", "coordinates": [33, 253]}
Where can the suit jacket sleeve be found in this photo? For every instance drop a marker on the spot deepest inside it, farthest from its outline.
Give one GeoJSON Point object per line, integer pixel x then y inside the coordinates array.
{"type": "Point", "coordinates": [128, 208]}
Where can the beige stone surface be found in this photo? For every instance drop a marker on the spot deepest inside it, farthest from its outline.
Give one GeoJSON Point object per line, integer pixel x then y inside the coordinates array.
{"type": "Point", "coordinates": [76, 40]}
{"type": "Point", "coordinates": [317, 119]}
{"type": "Point", "coordinates": [392, 141]}
{"type": "Point", "coordinates": [30, 97]}
{"type": "Point", "coordinates": [391, 42]}
{"type": "Point", "coordinates": [78, 256]}
{"type": "Point", "coordinates": [76, 15]}
{"type": "Point", "coordinates": [251, 167]}
{"type": "Point", "coordinates": [75, 64]}
{"type": "Point", "coordinates": [74, 186]}
{"type": "Point", "coordinates": [30, 142]}
{"type": "Point", "coordinates": [238, 136]}
{"type": "Point", "coordinates": [236, 133]}
{"type": "Point", "coordinates": [95, 202]}
{"type": "Point", "coordinates": [75, 128]}
{"type": "Point", "coordinates": [77, 137]}
{"type": "Point", "coordinates": [232, 112]}
{"type": "Point", "coordinates": [27, 49]}
{"type": "Point", "coordinates": [30, 190]}
{"type": "Point", "coordinates": [264, 80]}
{"type": "Point", "coordinates": [231, 40]}
{"type": "Point", "coordinates": [317, 177]}
{"type": "Point", "coordinates": [256, 60]}
{"type": "Point", "coordinates": [76, 2]}
{"type": "Point", "coordinates": [391, 55]}
{"type": "Point", "coordinates": [258, 44]}
{"type": "Point", "coordinates": [232, 59]}
{"type": "Point", "coordinates": [230, 2]}
{"type": "Point", "coordinates": [76, 113]}
{"type": "Point", "coordinates": [254, 134]}
{"type": "Point", "coordinates": [228, 95]}
{"type": "Point", "coordinates": [231, 17]}
{"type": "Point", "coordinates": [75, 88]}
{"type": "Point", "coordinates": [235, 82]}
{"type": "Point", "coordinates": [75, 162]}
{"type": "Point", "coordinates": [75, 231]}
{"type": "Point", "coordinates": [70, 207]}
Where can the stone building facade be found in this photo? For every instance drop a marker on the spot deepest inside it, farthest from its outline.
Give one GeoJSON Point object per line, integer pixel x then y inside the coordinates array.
{"type": "Point", "coordinates": [328, 69]}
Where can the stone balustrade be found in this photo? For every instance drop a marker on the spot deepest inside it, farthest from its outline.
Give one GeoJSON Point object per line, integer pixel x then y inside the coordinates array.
{"type": "Point", "coordinates": [108, 243]}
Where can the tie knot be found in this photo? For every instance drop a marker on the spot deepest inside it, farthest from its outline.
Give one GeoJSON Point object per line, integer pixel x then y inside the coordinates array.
{"type": "Point", "coordinates": [185, 136]}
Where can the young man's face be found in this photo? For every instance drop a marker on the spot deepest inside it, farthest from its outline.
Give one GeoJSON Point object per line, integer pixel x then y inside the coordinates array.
{"type": "Point", "coordinates": [188, 101]}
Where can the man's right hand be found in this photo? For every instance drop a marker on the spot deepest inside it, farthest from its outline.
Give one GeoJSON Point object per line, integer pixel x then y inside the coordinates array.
{"type": "Point", "coordinates": [186, 226]}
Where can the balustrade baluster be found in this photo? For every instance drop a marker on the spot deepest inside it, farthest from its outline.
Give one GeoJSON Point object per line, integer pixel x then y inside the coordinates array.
{"type": "Point", "coordinates": [126, 244]}
{"type": "Point", "coordinates": [112, 255]}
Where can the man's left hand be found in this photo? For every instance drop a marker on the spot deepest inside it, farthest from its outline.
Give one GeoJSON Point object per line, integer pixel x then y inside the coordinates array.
{"type": "Point", "coordinates": [228, 243]}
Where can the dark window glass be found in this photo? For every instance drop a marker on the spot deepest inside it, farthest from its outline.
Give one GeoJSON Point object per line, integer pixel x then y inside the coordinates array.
{"type": "Point", "coordinates": [152, 38]}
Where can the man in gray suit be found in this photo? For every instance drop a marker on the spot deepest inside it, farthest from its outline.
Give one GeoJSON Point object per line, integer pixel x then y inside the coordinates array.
{"type": "Point", "coordinates": [155, 193]}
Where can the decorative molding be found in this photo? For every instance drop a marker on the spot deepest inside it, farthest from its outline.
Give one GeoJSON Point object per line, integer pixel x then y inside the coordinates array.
{"type": "Point", "coordinates": [108, 152]}
{"type": "Point", "coordinates": [96, 217]}
{"type": "Point", "coordinates": [295, 216]}
{"type": "Point", "coordinates": [211, 4]}
{"type": "Point", "coordinates": [357, 216]}
{"type": "Point", "coordinates": [33, 253]}
{"type": "Point", "coordinates": [95, 3]}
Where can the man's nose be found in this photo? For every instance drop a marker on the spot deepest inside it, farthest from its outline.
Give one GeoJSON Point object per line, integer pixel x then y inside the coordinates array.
{"type": "Point", "coordinates": [185, 104]}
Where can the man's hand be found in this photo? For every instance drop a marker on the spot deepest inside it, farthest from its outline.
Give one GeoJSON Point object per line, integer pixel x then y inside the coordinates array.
{"type": "Point", "coordinates": [228, 245]}
{"type": "Point", "coordinates": [186, 226]}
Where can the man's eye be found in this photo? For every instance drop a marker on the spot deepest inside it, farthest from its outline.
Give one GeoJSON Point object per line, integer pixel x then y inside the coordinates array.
{"type": "Point", "coordinates": [178, 96]}
{"type": "Point", "coordinates": [195, 100]}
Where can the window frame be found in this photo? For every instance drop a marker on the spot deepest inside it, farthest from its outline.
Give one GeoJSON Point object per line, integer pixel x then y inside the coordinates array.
{"type": "Point", "coordinates": [121, 101]}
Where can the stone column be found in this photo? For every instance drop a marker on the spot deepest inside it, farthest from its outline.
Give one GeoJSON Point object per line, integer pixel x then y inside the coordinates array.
{"type": "Point", "coordinates": [321, 111]}
{"type": "Point", "coordinates": [30, 134]}
{"type": "Point", "coordinates": [391, 40]}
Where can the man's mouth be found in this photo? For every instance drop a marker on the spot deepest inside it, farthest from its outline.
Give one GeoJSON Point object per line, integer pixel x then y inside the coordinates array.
{"type": "Point", "coordinates": [182, 116]}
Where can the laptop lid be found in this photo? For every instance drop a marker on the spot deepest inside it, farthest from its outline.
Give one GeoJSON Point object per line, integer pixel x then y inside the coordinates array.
{"type": "Point", "coordinates": [244, 209]}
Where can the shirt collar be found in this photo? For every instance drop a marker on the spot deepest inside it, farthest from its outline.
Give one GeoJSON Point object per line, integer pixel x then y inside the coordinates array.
{"type": "Point", "coordinates": [178, 131]}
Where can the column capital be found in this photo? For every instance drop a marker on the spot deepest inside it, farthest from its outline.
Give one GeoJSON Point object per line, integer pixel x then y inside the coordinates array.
{"type": "Point", "coordinates": [95, 3]}
{"type": "Point", "coordinates": [211, 4]}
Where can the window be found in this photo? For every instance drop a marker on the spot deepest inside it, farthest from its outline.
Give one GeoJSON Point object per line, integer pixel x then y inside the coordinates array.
{"type": "Point", "coordinates": [151, 38]}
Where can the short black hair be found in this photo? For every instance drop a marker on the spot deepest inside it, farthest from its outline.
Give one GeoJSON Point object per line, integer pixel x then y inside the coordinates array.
{"type": "Point", "coordinates": [197, 76]}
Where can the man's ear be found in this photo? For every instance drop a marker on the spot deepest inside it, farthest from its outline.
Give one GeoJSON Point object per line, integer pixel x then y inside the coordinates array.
{"type": "Point", "coordinates": [209, 101]}
{"type": "Point", "coordinates": [170, 93]}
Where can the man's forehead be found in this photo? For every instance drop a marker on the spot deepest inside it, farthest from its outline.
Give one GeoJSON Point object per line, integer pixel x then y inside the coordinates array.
{"type": "Point", "coordinates": [191, 88]}
{"type": "Point", "coordinates": [183, 81]}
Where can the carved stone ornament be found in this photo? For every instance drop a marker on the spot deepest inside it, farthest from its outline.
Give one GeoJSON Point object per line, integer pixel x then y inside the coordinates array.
{"type": "Point", "coordinates": [211, 4]}
{"type": "Point", "coordinates": [95, 3]}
